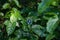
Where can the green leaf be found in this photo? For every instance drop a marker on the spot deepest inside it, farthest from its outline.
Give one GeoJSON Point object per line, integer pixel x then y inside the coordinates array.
{"type": "Point", "coordinates": [16, 2]}
{"type": "Point", "coordinates": [10, 27]}
{"type": "Point", "coordinates": [15, 15]}
{"type": "Point", "coordinates": [6, 5]}
{"type": "Point", "coordinates": [55, 3]}
{"type": "Point", "coordinates": [18, 33]}
{"type": "Point", "coordinates": [6, 22]}
{"type": "Point", "coordinates": [44, 5]}
{"type": "Point", "coordinates": [7, 15]}
{"type": "Point", "coordinates": [34, 37]}
{"type": "Point", "coordinates": [13, 18]}
{"type": "Point", "coordinates": [1, 14]}
{"type": "Point", "coordinates": [52, 24]}
{"type": "Point", "coordinates": [37, 29]}
{"type": "Point", "coordinates": [50, 36]}
{"type": "Point", "coordinates": [49, 15]}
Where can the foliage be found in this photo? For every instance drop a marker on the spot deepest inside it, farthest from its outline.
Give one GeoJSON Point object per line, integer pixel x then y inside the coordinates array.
{"type": "Point", "coordinates": [29, 19]}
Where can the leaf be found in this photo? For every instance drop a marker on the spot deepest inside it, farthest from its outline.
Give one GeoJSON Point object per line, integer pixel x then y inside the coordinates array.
{"type": "Point", "coordinates": [37, 29]}
{"type": "Point", "coordinates": [55, 3]}
{"type": "Point", "coordinates": [44, 5]}
{"type": "Point", "coordinates": [1, 14]}
{"type": "Point", "coordinates": [6, 22]}
{"type": "Point", "coordinates": [7, 15]}
{"type": "Point", "coordinates": [10, 27]}
{"type": "Point", "coordinates": [13, 18]}
{"type": "Point", "coordinates": [34, 37]}
{"type": "Point", "coordinates": [52, 24]}
{"type": "Point", "coordinates": [15, 15]}
{"type": "Point", "coordinates": [24, 25]}
{"type": "Point", "coordinates": [6, 5]}
{"type": "Point", "coordinates": [50, 36]}
{"type": "Point", "coordinates": [18, 33]}
{"type": "Point", "coordinates": [16, 2]}
{"type": "Point", "coordinates": [21, 34]}
{"type": "Point", "coordinates": [49, 15]}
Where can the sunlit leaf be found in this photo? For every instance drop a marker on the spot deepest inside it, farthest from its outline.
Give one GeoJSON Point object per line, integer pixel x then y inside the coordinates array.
{"type": "Point", "coordinates": [15, 15]}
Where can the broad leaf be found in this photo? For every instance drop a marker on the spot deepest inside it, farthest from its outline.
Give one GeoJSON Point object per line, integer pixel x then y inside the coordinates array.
{"type": "Point", "coordinates": [44, 5]}
{"type": "Point", "coordinates": [50, 36]}
{"type": "Point", "coordinates": [15, 15]}
{"type": "Point", "coordinates": [52, 24]}
{"type": "Point", "coordinates": [6, 22]}
{"type": "Point", "coordinates": [37, 30]}
{"type": "Point", "coordinates": [6, 5]}
{"type": "Point", "coordinates": [18, 33]}
{"type": "Point", "coordinates": [10, 27]}
{"type": "Point", "coordinates": [13, 18]}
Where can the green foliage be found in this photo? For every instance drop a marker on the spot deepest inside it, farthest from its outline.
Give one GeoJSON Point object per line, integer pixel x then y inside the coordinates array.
{"type": "Point", "coordinates": [37, 29]}
{"type": "Point", "coordinates": [16, 2]}
{"type": "Point", "coordinates": [29, 19]}
{"type": "Point", "coordinates": [52, 24]}
{"type": "Point", "coordinates": [50, 36]}
{"type": "Point", "coordinates": [44, 5]}
{"type": "Point", "coordinates": [6, 5]}
{"type": "Point", "coordinates": [10, 27]}
{"type": "Point", "coordinates": [15, 15]}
